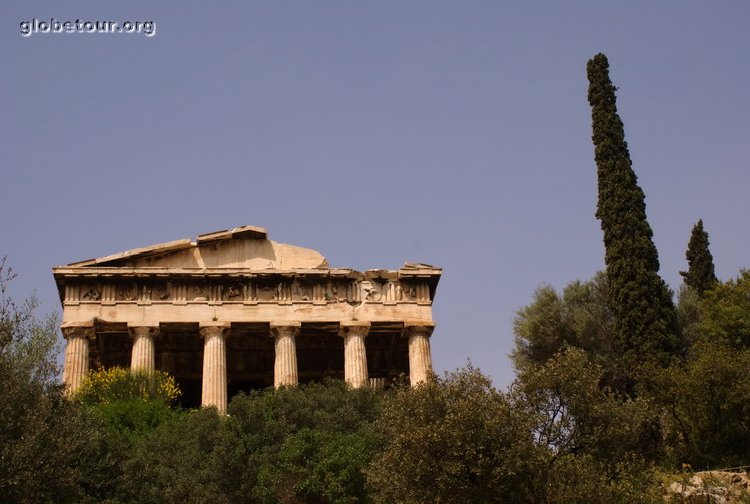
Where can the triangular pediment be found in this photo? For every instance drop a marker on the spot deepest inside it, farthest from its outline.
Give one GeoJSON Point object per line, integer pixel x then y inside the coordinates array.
{"type": "Point", "coordinates": [244, 247]}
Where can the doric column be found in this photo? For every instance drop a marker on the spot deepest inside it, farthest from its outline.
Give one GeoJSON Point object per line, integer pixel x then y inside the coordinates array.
{"type": "Point", "coordinates": [355, 356]}
{"type": "Point", "coordinates": [285, 367]}
{"type": "Point", "coordinates": [214, 388]}
{"type": "Point", "coordinates": [420, 359]}
{"type": "Point", "coordinates": [143, 355]}
{"type": "Point", "coordinates": [76, 355]}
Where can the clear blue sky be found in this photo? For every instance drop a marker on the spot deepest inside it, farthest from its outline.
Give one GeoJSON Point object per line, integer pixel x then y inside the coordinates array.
{"type": "Point", "coordinates": [452, 133]}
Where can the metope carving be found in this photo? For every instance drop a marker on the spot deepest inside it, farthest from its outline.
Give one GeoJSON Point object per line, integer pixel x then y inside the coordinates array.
{"type": "Point", "coordinates": [267, 293]}
{"type": "Point", "coordinates": [371, 291]}
{"type": "Point", "coordinates": [301, 292]}
{"type": "Point", "coordinates": [145, 294]}
{"type": "Point", "coordinates": [126, 292]}
{"type": "Point", "coordinates": [232, 292]}
{"type": "Point", "coordinates": [198, 292]}
{"type": "Point", "coordinates": [336, 292]}
{"type": "Point", "coordinates": [163, 292]}
{"type": "Point", "coordinates": [91, 294]}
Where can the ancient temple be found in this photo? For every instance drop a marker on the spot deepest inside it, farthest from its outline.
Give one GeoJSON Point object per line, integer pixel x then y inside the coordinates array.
{"type": "Point", "coordinates": [235, 311]}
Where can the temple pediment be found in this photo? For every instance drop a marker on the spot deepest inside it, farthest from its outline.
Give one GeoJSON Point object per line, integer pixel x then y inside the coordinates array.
{"type": "Point", "coordinates": [246, 247]}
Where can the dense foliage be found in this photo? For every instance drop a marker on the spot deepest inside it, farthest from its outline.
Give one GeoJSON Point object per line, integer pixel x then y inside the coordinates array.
{"type": "Point", "coordinates": [455, 440]}
{"type": "Point", "coordinates": [645, 327]}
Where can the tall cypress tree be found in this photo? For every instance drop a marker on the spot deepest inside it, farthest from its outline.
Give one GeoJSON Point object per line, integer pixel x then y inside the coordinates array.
{"type": "Point", "coordinates": [700, 275]}
{"type": "Point", "coordinates": [645, 319]}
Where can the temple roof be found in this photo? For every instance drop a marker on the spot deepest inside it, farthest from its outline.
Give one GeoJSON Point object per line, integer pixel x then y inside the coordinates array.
{"type": "Point", "coordinates": [241, 247]}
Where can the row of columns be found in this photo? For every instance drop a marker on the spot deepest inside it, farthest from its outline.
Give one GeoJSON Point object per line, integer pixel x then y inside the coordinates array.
{"type": "Point", "coordinates": [214, 387]}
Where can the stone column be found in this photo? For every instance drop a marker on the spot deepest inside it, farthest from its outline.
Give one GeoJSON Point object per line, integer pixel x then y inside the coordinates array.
{"type": "Point", "coordinates": [355, 356]}
{"type": "Point", "coordinates": [285, 366]}
{"type": "Point", "coordinates": [76, 355]}
{"type": "Point", "coordinates": [420, 359]}
{"type": "Point", "coordinates": [214, 390]}
{"type": "Point", "coordinates": [143, 356]}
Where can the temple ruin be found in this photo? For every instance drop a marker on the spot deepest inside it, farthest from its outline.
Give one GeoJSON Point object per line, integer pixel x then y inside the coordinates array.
{"type": "Point", "coordinates": [234, 311]}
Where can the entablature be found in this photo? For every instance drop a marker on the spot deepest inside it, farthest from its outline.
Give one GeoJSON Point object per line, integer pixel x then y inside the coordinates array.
{"type": "Point", "coordinates": [216, 286]}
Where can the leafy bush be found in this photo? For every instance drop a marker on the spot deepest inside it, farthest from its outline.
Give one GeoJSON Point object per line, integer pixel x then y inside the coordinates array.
{"type": "Point", "coordinates": [182, 460]}
{"type": "Point", "coordinates": [118, 384]}
{"type": "Point", "coordinates": [454, 439]}
{"type": "Point", "coordinates": [305, 444]}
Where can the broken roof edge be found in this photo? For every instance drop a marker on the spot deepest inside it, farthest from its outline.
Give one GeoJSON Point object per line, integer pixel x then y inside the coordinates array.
{"type": "Point", "coordinates": [250, 232]}
{"type": "Point", "coordinates": [159, 248]}
{"type": "Point", "coordinates": [247, 232]}
{"type": "Point", "coordinates": [412, 265]}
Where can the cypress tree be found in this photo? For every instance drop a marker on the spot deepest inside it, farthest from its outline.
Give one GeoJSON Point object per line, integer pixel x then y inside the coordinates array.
{"type": "Point", "coordinates": [645, 329]}
{"type": "Point", "coordinates": [700, 274]}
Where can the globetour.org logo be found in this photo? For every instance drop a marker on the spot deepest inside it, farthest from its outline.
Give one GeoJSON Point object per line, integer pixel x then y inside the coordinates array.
{"type": "Point", "coordinates": [28, 28]}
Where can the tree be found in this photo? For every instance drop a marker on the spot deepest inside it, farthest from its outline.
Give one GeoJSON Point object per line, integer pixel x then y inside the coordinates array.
{"type": "Point", "coordinates": [579, 317]}
{"type": "Point", "coordinates": [304, 444]}
{"type": "Point", "coordinates": [26, 342]}
{"type": "Point", "coordinates": [707, 402]}
{"type": "Point", "coordinates": [575, 414]}
{"type": "Point", "coordinates": [326, 466]}
{"type": "Point", "coordinates": [597, 445]}
{"type": "Point", "coordinates": [182, 460]}
{"type": "Point", "coordinates": [700, 274]}
{"type": "Point", "coordinates": [51, 450]}
{"type": "Point", "coordinates": [725, 312]}
{"type": "Point", "coordinates": [644, 315]}
{"type": "Point", "coordinates": [454, 440]}
{"type": "Point", "coordinates": [707, 396]}
{"type": "Point", "coordinates": [688, 316]}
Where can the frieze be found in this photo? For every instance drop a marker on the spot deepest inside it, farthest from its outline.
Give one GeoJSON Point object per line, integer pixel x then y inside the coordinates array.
{"type": "Point", "coordinates": [230, 290]}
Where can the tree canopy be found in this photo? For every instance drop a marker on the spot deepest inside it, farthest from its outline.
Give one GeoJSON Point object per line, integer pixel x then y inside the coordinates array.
{"type": "Point", "coordinates": [454, 440]}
